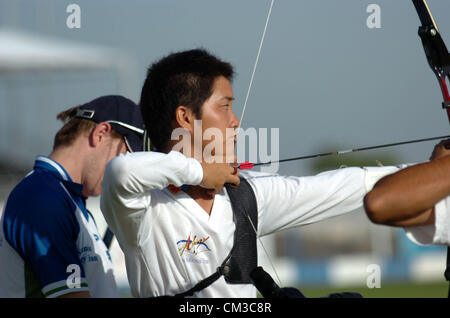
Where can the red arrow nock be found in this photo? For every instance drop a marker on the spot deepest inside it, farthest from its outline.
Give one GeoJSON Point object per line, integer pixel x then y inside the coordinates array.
{"type": "Point", "coordinates": [246, 165]}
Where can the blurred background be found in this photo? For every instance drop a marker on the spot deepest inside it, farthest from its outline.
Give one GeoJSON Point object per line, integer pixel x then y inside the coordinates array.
{"type": "Point", "coordinates": [325, 79]}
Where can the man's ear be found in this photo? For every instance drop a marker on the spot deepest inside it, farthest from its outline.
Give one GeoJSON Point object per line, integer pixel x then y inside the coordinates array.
{"type": "Point", "coordinates": [99, 133]}
{"type": "Point", "coordinates": [184, 117]}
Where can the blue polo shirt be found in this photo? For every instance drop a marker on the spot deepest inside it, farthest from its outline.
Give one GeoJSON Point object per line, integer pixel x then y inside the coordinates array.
{"type": "Point", "coordinates": [49, 242]}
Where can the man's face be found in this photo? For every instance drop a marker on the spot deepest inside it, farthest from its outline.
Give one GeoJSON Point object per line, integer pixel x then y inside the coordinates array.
{"type": "Point", "coordinates": [218, 118]}
{"type": "Point", "coordinates": [107, 149]}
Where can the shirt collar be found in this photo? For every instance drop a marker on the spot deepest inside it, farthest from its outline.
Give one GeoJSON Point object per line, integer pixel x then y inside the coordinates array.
{"type": "Point", "coordinates": [59, 172]}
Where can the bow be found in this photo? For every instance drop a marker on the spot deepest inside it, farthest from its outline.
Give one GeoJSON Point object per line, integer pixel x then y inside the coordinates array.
{"type": "Point", "coordinates": [435, 50]}
{"type": "Point", "coordinates": [439, 61]}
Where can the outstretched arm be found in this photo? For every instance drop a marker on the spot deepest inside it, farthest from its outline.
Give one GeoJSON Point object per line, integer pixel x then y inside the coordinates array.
{"type": "Point", "coordinates": [286, 202]}
{"type": "Point", "coordinates": [407, 197]}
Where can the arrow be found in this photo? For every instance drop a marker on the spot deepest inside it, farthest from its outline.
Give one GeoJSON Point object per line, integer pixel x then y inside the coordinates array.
{"type": "Point", "coordinates": [249, 165]}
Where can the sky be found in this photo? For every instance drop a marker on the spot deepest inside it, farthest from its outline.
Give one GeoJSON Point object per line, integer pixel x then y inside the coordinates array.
{"type": "Point", "coordinates": [323, 78]}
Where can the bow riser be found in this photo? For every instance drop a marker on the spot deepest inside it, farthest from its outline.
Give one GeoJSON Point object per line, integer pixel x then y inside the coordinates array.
{"type": "Point", "coordinates": [435, 50]}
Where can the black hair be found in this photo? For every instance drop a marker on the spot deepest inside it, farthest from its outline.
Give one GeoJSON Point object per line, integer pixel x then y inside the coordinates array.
{"type": "Point", "coordinates": [183, 78]}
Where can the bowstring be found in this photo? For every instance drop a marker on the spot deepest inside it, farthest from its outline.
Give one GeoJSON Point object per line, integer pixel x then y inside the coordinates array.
{"type": "Point", "coordinates": [256, 62]}
{"type": "Point", "coordinates": [269, 13]}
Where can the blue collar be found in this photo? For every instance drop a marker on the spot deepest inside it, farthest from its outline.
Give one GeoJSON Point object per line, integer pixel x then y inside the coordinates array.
{"type": "Point", "coordinates": [53, 167]}
{"type": "Point", "coordinates": [58, 171]}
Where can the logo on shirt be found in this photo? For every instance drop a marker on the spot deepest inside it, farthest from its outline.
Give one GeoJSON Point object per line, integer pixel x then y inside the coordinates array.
{"type": "Point", "coordinates": [193, 245]}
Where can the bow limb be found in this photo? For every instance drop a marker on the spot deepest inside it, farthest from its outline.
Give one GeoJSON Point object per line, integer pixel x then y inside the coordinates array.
{"type": "Point", "coordinates": [435, 50]}
{"type": "Point", "coordinates": [439, 61]}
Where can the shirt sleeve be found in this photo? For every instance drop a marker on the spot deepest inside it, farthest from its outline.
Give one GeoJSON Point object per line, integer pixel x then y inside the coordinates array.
{"type": "Point", "coordinates": [128, 183]}
{"type": "Point", "coordinates": [44, 236]}
{"type": "Point", "coordinates": [286, 202]}
{"type": "Point", "coordinates": [433, 234]}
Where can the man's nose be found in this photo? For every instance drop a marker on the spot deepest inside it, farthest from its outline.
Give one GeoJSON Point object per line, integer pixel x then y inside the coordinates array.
{"type": "Point", "coordinates": [235, 121]}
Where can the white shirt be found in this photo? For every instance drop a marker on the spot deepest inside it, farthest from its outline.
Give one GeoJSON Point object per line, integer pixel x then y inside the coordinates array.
{"type": "Point", "coordinates": [170, 243]}
{"type": "Point", "coordinates": [433, 234]}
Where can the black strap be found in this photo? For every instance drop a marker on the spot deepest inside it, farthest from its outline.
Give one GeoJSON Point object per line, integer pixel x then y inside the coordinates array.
{"type": "Point", "coordinates": [108, 237]}
{"type": "Point", "coordinates": [244, 257]}
{"type": "Point", "coordinates": [201, 285]}
{"type": "Point", "coordinates": [221, 270]}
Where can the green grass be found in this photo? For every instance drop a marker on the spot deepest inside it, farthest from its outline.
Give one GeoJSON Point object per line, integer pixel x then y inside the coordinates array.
{"type": "Point", "coordinates": [392, 290]}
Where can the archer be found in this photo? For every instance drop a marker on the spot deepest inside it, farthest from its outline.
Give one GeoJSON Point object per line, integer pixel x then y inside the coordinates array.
{"type": "Point", "coordinates": [154, 199]}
